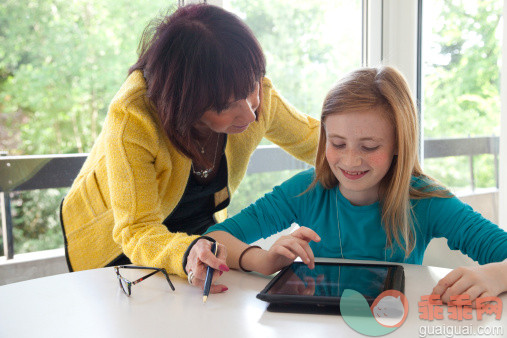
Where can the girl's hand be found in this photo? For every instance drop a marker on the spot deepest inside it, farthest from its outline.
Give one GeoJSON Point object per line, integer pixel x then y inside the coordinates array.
{"type": "Point", "coordinates": [487, 280]}
{"type": "Point", "coordinates": [287, 248]}
{"type": "Point", "coordinates": [200, 257]}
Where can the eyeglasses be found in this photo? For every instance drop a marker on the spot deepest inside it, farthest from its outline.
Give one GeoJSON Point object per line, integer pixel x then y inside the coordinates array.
{"type": "Point", "coordinates": [126, 285]}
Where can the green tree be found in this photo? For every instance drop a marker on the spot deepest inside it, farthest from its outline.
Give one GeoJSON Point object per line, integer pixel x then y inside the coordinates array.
{"type": "Point", "coordinates": [61, 63]}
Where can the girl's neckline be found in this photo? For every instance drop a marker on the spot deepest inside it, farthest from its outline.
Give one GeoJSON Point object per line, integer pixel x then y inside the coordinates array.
{"type": "Point", "coordinates": [347, 203]}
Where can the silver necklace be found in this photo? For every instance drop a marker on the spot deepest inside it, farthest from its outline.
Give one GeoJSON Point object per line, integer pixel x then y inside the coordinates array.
{"type": "Point", "coordinates": [202, 147]}
{"type": "Point", "coordinates": [340, 232]}
{"type": "Point", "coordinates": [207, 171]}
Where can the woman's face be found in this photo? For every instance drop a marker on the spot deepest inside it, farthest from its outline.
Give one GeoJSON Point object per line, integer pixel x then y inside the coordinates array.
{"type": "Point", "coordinates": [360, 147]}
{"type": "Point", "coordinates": [235, 118]}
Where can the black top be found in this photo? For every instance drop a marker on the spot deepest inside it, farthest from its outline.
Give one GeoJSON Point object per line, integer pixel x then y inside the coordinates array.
{"type": "Point", "coordinates": [194, 212]}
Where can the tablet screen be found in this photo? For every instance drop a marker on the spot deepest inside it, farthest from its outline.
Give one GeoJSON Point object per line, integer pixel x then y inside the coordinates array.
{"type": "Point", "coordinates": [330, 280]}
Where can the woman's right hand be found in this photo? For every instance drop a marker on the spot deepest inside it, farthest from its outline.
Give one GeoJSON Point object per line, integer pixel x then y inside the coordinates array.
{"type": "Point", "coordinates": [198, 260]}
{"type": "Point", "coordinates": [287, 248]}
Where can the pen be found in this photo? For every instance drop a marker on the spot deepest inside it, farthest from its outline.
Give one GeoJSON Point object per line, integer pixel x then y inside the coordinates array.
{"type": "Point", "coordinates": [209, 275]}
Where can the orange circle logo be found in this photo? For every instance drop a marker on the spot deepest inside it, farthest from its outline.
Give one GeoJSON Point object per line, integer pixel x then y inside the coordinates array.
{"type": "Point", "coordinates": [390, 308]}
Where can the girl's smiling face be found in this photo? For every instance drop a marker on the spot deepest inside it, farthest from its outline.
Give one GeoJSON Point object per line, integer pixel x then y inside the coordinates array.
{"type": "Point", "coordinates": [360, 147]}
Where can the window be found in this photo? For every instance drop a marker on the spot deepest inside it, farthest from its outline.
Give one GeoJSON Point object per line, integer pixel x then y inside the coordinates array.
{"type": "Point", "coordinates": [461, 81]}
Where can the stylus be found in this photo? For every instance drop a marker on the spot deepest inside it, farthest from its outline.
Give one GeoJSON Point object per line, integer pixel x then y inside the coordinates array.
{"type": "Point", "coordinates": [209, 275]}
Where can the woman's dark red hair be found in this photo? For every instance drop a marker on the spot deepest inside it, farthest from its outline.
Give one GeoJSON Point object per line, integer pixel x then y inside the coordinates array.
{"type": "Point", "coordinates": [193, 60]}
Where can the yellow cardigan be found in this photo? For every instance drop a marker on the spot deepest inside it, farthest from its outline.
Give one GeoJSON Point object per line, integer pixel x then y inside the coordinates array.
{"type": "Point", "coordinates": [134, 177]}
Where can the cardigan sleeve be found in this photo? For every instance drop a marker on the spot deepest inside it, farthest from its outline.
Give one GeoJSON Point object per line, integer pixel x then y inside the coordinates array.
{"type": "Point", "coordinates": [270, 214]}
{"type": "Point", "coordinates": [466, 230]}
{"type": "Point", "coordinates": [132, 146]}
{"type": "Point", "coordinates": [296, 133]}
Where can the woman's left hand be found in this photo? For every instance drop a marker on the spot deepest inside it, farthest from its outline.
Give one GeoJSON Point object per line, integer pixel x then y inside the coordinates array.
{"type": "Point", "coordinates": [487, 280]}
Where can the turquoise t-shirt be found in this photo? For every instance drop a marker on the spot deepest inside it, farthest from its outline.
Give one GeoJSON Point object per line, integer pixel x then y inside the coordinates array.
{"type": "Point", "coordinates": [359, 227]}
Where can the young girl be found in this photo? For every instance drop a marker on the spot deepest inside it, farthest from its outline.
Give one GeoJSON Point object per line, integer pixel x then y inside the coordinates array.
{"type": "Point", "coordinates": [367, 197]}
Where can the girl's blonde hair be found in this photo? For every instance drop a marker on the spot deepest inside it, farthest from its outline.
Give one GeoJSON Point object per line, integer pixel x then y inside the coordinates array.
{"type": "Point", "coordinates": [386, 90]}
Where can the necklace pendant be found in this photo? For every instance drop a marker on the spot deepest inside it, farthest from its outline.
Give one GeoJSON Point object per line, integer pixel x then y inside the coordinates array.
{"type": "Point", "coordinates": [202, 150]}
{"type": "Point", "coordinates": [206, 172]}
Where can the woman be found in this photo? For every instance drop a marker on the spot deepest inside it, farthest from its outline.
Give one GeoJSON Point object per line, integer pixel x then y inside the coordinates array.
{"type": "Point", "coordinates": [176, 144]}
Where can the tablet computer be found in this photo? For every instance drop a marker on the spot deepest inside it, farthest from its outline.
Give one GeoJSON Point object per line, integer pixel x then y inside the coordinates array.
{"type": "Point", "coordinates": [323, 286]}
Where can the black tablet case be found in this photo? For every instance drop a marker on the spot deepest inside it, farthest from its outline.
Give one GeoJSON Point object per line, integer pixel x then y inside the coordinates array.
{"type": "Point", "coordinates": [395, 280]}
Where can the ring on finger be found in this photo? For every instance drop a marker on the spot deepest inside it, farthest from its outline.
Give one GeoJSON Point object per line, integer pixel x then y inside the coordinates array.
{"type": "Point", "coordinates": [190, 277]}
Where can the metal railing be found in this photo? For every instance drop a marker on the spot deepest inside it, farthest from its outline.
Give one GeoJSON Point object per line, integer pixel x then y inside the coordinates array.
{"type": "Point", "coordinates": [21, 173]}
{"type": "Point", "coordinates": [435, 148]}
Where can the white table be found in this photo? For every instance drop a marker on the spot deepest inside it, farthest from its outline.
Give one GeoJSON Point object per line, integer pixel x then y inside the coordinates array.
{"type": "Point", "coordinates": [91, 304]}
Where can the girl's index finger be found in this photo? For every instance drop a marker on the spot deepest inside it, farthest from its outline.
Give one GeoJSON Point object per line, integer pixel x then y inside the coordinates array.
{"type": "Point", "coordinates": [306, 234]}
{"type": "Point", "coordinates": [309, 253]}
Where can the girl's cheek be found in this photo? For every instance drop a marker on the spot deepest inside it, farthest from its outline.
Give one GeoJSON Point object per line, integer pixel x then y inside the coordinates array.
{"type": "Point", "coordinates": [330, 155]}
{"type": "Point", "coordinates": [380, 159]}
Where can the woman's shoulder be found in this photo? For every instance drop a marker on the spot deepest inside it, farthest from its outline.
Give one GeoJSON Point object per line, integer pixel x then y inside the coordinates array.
{"type": "Point", "coordinates": [269, 90]}
{"type": "Point", "coordinates": [131, 113]}
{"type": "Point", "coordinates": [275, 105]}
{"type": "Point", "coordinates": [131, 100]}
{"type": "Point", "coordinates": [266, 82]}
{"type": "Point", "coordinates": [132, 90]}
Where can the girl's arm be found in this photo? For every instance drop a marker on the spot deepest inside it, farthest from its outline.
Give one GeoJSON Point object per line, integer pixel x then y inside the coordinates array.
{"type": "Point", "coordinates": [465, 229]}
{"type": "Point", "coordinates": [283, 252]}
{"type": "Point", "coordinates": [476, 237]}
{"type": "Point", "coordinates": [233, 246]}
